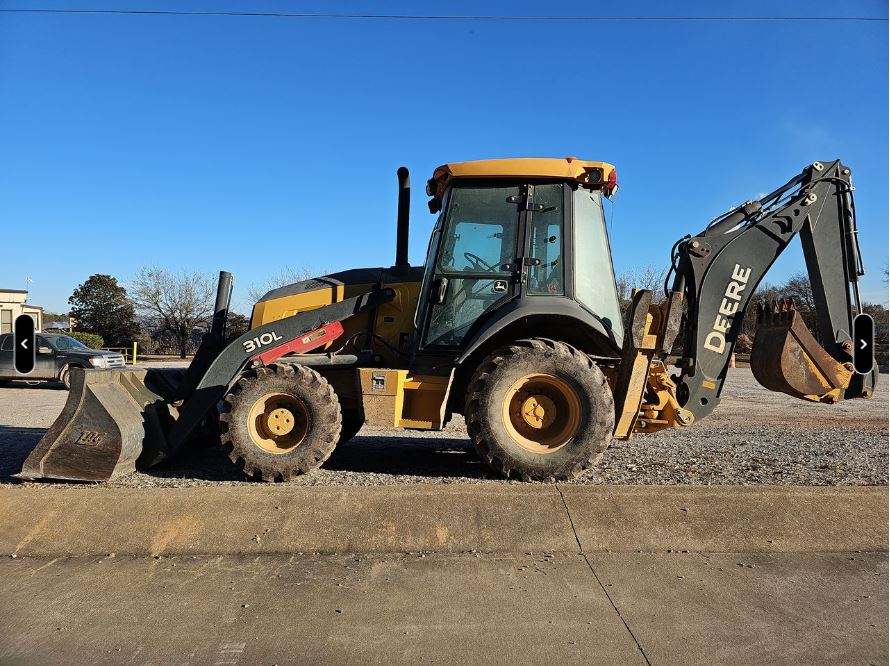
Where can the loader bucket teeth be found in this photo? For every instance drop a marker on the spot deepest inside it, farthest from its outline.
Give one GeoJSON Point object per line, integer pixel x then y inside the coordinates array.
{"type": "Point", "coordinates": [788, 359]}
{"type": "Point", "coordinates": [113, 423]}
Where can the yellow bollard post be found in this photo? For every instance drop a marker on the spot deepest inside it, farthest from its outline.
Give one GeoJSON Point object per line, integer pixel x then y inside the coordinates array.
{"type": "Point", "coordinates": [134, 353]}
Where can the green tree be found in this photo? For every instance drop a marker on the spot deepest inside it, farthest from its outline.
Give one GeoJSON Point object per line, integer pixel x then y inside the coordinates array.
{"type": "Point", "coordinates": [236, 326]}
{"type": "Point", "coordinates": [100, 305]}
{"type": "Point", "coordinates": [91, 340]}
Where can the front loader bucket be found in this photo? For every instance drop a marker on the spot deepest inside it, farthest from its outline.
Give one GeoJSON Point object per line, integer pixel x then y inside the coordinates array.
{"type": "Point", "coordinates": [787, 358]}
{"type": "Point", "coordinates": [113, 423]}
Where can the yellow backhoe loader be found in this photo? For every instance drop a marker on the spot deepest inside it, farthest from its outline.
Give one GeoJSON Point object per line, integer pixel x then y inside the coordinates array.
{"type": "Point", "coordinates": [513, 321]}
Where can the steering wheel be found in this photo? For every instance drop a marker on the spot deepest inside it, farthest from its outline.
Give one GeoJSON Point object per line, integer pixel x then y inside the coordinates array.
{"type": "Point", "coordinates": [478, 262]}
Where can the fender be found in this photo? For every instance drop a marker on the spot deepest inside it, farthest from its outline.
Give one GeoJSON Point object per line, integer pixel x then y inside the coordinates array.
{"type": "Point", "coordinates": [227, 365]}
{"type": "Point", "coordinates": [508, 314]}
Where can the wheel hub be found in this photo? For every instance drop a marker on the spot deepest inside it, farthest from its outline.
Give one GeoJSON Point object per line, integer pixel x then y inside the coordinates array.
{"type": "Point", "coordinates": [541, 412]}
{"type": "Point", "coordinates": [279, 421]}
{"type": "Point", "coordinates": [538, 411]}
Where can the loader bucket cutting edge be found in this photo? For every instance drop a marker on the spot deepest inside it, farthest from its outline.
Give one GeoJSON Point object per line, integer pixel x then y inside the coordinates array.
{"type": "Point", "coordinates": [788, 359]}
{"type": "Point", "coordinates": [112, 424]}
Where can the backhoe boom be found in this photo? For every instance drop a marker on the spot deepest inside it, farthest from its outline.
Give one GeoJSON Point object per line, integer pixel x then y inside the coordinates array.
{"type": "Point", "coordinates": [718, 271]}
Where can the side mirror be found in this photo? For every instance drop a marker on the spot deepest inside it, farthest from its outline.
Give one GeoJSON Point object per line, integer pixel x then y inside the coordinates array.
{"type": "Point", "coordinates": [44, 350]}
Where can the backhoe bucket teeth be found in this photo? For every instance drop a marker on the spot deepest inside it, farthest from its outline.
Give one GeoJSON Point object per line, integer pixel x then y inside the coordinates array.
{"type": "Point", "coordinates": [788, 359]}
{"type": "Point", "coordinates": [113, 423]}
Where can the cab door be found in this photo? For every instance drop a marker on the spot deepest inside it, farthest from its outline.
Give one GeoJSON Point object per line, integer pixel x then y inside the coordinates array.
{"type": "Point", "coordinates": [477, 264]}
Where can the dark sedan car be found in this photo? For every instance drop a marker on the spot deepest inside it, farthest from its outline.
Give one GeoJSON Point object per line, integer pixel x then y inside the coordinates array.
{"type": "Point", "coordinates": [56, 354]}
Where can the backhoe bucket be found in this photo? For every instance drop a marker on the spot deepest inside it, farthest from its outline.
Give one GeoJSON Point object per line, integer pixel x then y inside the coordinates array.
{"type": "Point", "coordinates": [113, 423]}
{"type": "Point", "coordinates": [788, 359]}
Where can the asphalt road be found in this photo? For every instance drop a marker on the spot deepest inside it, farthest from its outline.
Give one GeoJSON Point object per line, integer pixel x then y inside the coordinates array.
{"type": "Point", "coordinates": [754, 436]}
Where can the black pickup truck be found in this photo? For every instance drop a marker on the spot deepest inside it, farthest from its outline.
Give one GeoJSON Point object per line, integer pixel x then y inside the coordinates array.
{"type": "Point", "coordinates": [55, 355]}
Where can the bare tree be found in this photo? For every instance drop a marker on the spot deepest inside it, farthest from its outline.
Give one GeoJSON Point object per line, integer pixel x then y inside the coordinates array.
{"type": "Point", "coordinates": [799, 288]}
{"type": "Point", "coordinates": [283, 277]}
{"type": "Point", "coordinates": [639, 277]}
{"type": "Point", "coordinates": [180, 302]}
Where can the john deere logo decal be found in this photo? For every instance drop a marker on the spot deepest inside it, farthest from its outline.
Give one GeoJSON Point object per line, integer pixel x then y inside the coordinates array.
{"type": "Point", "coordinates": [716, 339]}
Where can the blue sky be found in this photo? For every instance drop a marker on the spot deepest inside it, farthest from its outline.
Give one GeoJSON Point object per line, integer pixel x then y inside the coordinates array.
{"type": "Point", "coordinates": [254, 144]}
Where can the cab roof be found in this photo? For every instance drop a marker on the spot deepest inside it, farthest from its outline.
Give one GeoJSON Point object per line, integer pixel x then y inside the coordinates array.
{"type": "Point", "coordinates": [586, 172]}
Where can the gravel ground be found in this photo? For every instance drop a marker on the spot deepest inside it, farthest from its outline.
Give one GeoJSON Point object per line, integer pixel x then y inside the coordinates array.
{"type": "Point", "coordinates": [753, 437]}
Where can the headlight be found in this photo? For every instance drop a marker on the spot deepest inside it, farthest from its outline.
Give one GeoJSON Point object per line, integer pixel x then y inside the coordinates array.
{"type": "Point", "coordinates": [98, 362]}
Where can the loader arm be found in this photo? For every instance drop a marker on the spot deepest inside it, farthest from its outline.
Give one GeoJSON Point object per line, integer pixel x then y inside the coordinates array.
{"type": "Point", "coordinates": [228, 364]}
{"type": "Point", "coordinates": [718, 270]}
{"type": "Point", "coordinates": [119, 420]}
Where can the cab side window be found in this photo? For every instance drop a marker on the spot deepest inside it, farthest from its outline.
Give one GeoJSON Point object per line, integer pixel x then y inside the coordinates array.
{"type": "Point", "coordinates": [594, 276]}
{"type": "Point", "coordinates": [6, 342]}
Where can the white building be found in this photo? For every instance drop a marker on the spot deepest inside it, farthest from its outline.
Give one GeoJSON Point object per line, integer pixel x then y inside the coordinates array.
{"type": "Point", "coordinates": [12, 304]}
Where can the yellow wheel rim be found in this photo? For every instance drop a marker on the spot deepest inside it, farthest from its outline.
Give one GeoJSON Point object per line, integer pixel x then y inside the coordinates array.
{"type": "Point", "coordinates": [278, 422]}
{"type": "Point", "coordinates": [542, 413]}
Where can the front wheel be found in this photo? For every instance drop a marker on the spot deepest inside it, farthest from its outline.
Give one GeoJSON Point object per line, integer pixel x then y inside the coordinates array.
{"type": "Point", "coordinates": [280, 421]}
{"type": "Point", "coordinates": [539, 410]}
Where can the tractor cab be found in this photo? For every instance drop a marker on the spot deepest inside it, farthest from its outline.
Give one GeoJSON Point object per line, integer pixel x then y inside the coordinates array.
{"type": "Point", "coordinates": [519, 243]}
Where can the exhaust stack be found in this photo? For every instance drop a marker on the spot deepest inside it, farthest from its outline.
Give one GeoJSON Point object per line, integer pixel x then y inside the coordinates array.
{"type": "Point", "coordinates": [223, 300]}
{"type": "Point", "coordinates": [402, 219]}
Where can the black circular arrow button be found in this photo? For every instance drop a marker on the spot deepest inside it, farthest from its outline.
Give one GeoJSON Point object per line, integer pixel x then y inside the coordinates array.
{"type": "Point", "coordinates": [863, 343]}
{"type": "Point", "coordinates": [23, 344]}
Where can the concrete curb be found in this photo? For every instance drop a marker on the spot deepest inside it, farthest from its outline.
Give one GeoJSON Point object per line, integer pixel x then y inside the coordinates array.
{"type": "Point", "coordinates": [788, 519]}
{"type": "Point", "coordinates": [53, 521]}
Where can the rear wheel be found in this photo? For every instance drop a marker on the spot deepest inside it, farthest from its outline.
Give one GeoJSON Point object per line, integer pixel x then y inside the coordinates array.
{"type": "Point", "coordinates": [280, 421]}
{"type": "Point", "coordinates": [539, 410]}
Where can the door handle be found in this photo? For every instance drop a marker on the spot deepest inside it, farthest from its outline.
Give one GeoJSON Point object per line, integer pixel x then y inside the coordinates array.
{"type": "Point", "coordinates": [439, 291]}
